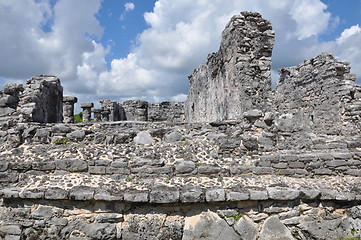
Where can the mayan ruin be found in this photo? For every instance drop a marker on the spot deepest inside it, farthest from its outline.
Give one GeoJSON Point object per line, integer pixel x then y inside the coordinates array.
{"type": "Point", "coordinates": [238, 160]}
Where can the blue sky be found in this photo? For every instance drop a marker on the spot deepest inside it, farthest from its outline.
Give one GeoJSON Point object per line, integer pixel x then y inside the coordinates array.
{"type": "Point", "coordinates": [145, 49]}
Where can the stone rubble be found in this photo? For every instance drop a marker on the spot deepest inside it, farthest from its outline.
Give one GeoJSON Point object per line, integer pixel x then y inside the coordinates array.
{"type": "Point", "coordinates": [273, 165]}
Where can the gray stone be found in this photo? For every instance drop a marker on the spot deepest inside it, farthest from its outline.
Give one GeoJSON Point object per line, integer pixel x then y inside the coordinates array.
{"type": "Point", "coordinates": [10, 230]}
{"type": "Point", "coordinates": [43, 166]}
{"type": "Point", "coordinates": [275, 230]}
{"type": "Point", "coordinates": [208, 226]}
{"type": "Point", "coordinates": [109, 218]}
{"type": "Point", "coordinates": [173, 137]}
{"type": "Point", "coordinates": [144, 138]}
{"type": "Point", "coordinates": [56, 193]}
{"type": "Point", "coordinates": [246, 228]}
{"type": "Point", "coordinates": [81, 193]}
{"type": "Point", "coordinates": [32, 193]}
{"type": "Point", "coordinates": [258, 195]}
{"type": "Point", "coordinates": [136, 196]}
{"type": "Point", "coordinates": [77, 135]}
{"type": "Point", "coordinates": [237, 195]}
{"type": "Point", "coordinates": [245, 66]}
{"type": "Point", "coordinates": [164, 195]}
{"type": "Point", "coordinates": [278, 193]}
{"type": "Point", "coordinates": [71, 165]}
{"type": "Point", "coordinates": [254, 113]}
{"type": "Point", "coordinates": [185, 166]}
{"type": "Point", "coordinates": [215, 195]}
{"type": "Point", "coordinates": [100, 231]}
{"type": "Point", "coordinates": [192, 194]}
{"type": "Point", "coordinates": [327, 229]}
{"type": "Point", "coordinates": [42, 212]}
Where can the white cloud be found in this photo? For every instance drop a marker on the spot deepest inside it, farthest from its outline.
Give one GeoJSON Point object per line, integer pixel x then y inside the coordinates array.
{"type": "Point", "coordinates": [181, 34]}
{"type": "Point", "coordinates": [347, 33]}
{"type": "Point", "coordinates": [129, 6]}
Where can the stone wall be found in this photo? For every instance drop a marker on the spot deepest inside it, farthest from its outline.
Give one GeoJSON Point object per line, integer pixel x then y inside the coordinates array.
{"type": "Point", "coordinates": [39, 100]}
{"type": "Point", "coordinates": [237, 78]}
{"type": "Point", "coordinates": [166, 111]}
{"type": "Point", "coordinates": [136, 180]}
{"type": "Point", "coordinates": [316, 94]}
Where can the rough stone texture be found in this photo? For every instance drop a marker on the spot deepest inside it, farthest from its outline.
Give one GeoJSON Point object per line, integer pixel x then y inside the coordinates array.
{"type": "Point", "coordinates": [207, 226]}
{"type": "Point", "coordinates": [166, 111]}
{"type": "Point", "coordinates": [317, 95]}
{"type": "Point", "coordinates": [68, 108]}
{"type": "Point", "coordinates": [136, 110]}
{"type": "Point", "coordinates": [117, 112]}
{"type": "Point", "coordinates": [237, 78]}
{"type": "Point", "coordinates": [86, 111]}
{"type": "Point", "coordinates": [41, 100]}
{"type": "Point", "coordinates": [275, 230]}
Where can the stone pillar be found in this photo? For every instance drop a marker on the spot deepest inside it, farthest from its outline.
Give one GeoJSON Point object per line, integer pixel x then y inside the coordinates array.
{"type": "Point", "coordinates": [97, 115]}
{"type": "Point", "coordinates": [105, 115]}
{"type": "Point", "coordinates": [68, 108]}
{"type": "Point", "coordinates": [86, 111]}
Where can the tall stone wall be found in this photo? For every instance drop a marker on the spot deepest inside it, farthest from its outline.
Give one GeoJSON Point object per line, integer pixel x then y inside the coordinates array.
{"type": "Point", "coordinates": [315, 95]}
{"type": "Point", "coordinates": [236, 78]}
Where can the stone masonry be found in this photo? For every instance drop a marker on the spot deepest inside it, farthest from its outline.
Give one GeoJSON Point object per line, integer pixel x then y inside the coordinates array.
{"type": "Point", "coordinates": [278, 167]}
{"type": "Point", "coordinates": [237, 78]}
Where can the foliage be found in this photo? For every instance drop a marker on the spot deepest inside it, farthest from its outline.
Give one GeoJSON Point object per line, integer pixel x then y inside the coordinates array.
{"type": "Point", "coordinates": [78, 117]}
{"type": "Point", "coordinates": [61, 141]}
{"type": "Point", "coordinates": [236, 217]}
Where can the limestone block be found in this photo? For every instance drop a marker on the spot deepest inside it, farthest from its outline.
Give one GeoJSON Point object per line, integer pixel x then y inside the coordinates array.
{"type": "Point", "coordinates": [275, 230]}
{"type": "Point", "coordinates": [246, 228]}
{"type": "Point", "coordinates": [208, 226]}
{"type": "Point", "coordinates": [144, 138]}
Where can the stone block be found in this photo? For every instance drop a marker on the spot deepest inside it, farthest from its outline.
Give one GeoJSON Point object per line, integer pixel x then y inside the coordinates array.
{"type": "Point", "coordinates": [81, 193]}
{"type": "Point", "coordinates": [278, 193]}
{"type": "Point", "coordinates": [215, 195]}
{"type": "Point", "coordinates": [206, 169]}
{"type": "Point", "coordinates": [258, 195]}
{"type": "Point", "coordinates": [164, 195]}
{"type": "Point", "coordinates": [100, 170]}
{"type": "Point", "coordinates": [87, 105]}
{"type": "Point", "coordinates": [56, 193]}
{"type": "Point", "coordinates": [109, 218]}
{"type": "Point", "coordinates": [108, 195]}
{"type": "Point", "coordinates": [190, 194]}
{"type": "Point", "coordinates": [273, 228]}
{"type": "Point", "coordinates": [42, 213]}
{"type": "Point", "coordinates": [10, 230]}
{"type": "Point", "coordinates": [3, 166]}
{"type": "Point", "coordinates": [184, 166]}
{"type": "Point", "coordinates": [71, 165]}
{"type": "Point", "coordinates": [233, 195]}
{"type": "Point", "coordinates": [44, 166]}
{"type": "Point", "coordinates": [144, 138]}
{"type": "Point", "coordinates": [32, 193]}
{"type": "Point", "coordinates": [9, 193]}
{"type": "Point", "coordinates": [136, 196]}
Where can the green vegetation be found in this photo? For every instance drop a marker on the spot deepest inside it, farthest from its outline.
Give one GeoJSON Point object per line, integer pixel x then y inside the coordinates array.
{"type": "Point", "coordinates": [236, 217]}
{"type": "Point", "coordinates": [78, 117]}
{"type": "Point", "coordinates": [301, 210]}
{"type": "Point", "coordinates": [61, 141]}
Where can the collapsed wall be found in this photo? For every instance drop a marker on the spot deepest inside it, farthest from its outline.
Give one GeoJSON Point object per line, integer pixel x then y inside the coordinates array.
{"type": "Point", "coordinates": [319, 95]}
{"type": "Point", "coordinates": [238, 77]}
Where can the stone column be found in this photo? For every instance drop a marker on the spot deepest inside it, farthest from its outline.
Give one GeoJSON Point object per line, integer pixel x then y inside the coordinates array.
{"type": "Point", "coordinates": [68, 108]}
{"type": "Point", "coordinates": [86, 111]}
{"type": "Point", "coordinates": [105, 115]}
{"type": "Point", "coordinates": [97, 115]}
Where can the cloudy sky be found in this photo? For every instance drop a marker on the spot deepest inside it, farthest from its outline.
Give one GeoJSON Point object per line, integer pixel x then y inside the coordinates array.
{"type": "Point", "coordinates": [145, 49]}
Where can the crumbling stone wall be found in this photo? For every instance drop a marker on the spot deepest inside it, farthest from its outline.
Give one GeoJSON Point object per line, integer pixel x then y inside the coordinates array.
{"type": "Point", "coordinates": [236, 78]}
{"type": "Point", "coordinates": [117, 112]}
{"type": "Point", "coordinates": [136, 110]}
{"type": "Point", "coordinates": [166, 111]}
{"type": "Point", "coordinates": [314, 94]}
{"type": "Point", "coordinates": [41, 100]}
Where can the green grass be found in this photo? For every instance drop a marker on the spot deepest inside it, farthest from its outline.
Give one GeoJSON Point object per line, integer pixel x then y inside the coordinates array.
{"type": "Point", "coordinates": [61, 141]}
{"type": "Point", "coordinates": [236, 217]}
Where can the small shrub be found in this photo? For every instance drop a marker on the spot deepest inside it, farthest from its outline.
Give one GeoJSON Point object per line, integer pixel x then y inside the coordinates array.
{"type": "Point", "coordinates": [78, 117]}
{"type": "Point", "coordinates": [61, 141]}
{"type": "Point", "coordinates": [236, 217]}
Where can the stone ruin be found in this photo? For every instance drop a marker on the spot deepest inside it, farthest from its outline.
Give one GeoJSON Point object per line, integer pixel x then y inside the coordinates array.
{"type": "Point", "coordinates": [237, 160]}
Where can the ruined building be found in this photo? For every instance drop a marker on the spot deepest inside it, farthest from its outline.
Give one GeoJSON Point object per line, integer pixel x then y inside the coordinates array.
{"type": "Point", "coordinates": [236, 161]}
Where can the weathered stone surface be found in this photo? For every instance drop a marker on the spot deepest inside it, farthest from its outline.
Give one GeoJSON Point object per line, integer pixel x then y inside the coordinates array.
{"type": "Point", "coordinates": [144, 138]}
{"type": "Point", "coordinates": [275, 230]}
{"type": "Point", "coordinates": [41, 100]}
{"type": "Point", "coordinates": [208, 226]}
{"type": "Point", "coordinates": [246, 228]}
{"type": "Point", "coordinates": [236, 79]}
